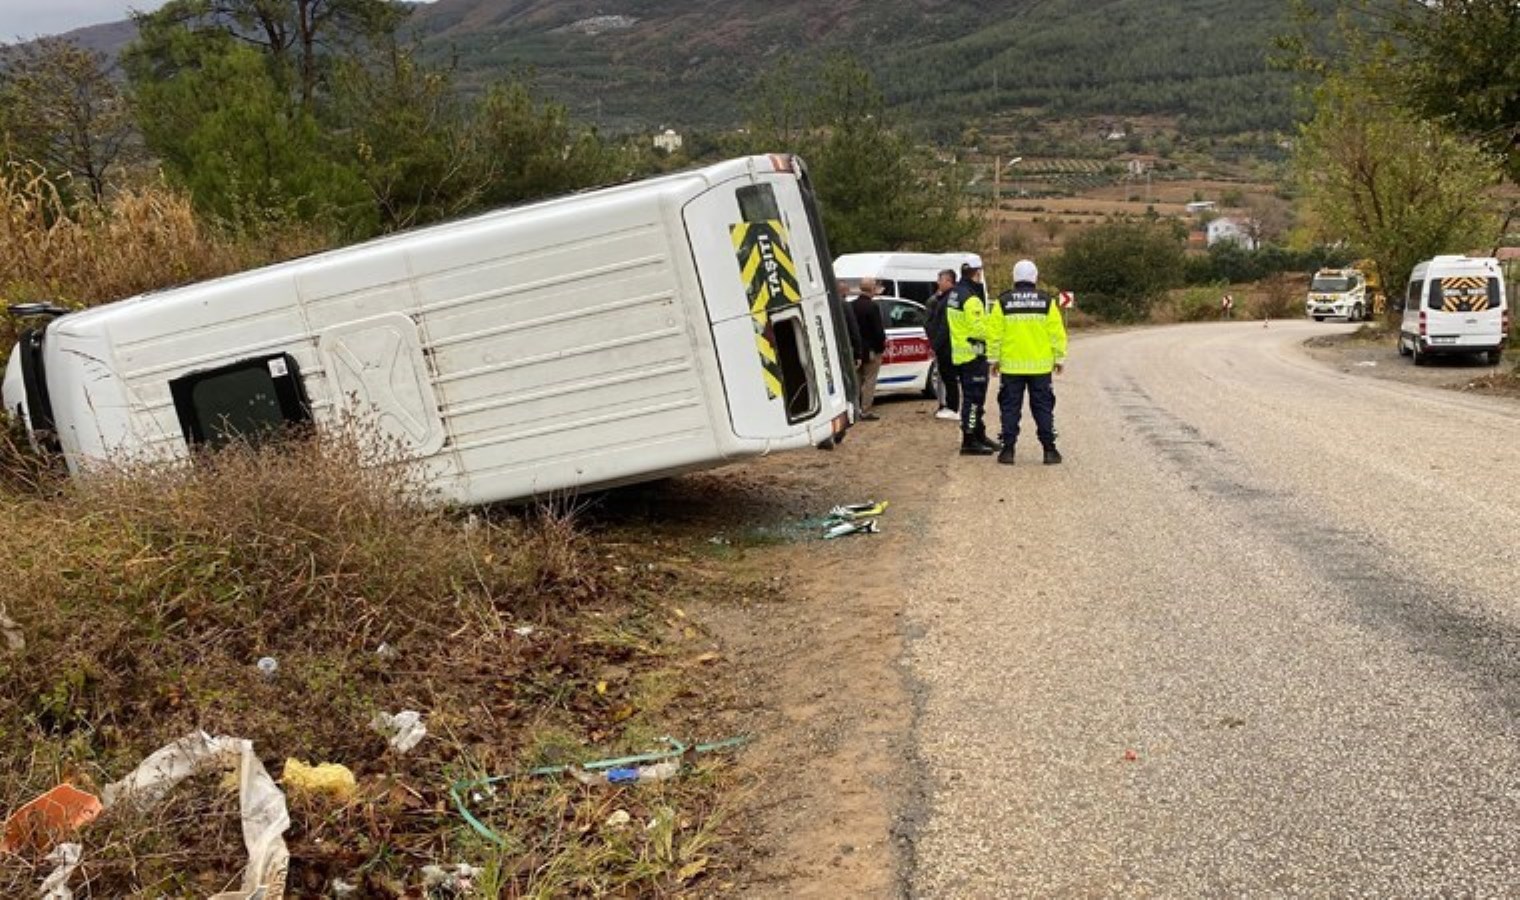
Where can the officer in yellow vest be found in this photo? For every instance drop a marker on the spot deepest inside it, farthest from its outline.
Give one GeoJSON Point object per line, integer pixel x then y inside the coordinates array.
{"type": "Point", "coordinates": [1026, 341]}
{"type": "Point", "coordinates": [967, 317]}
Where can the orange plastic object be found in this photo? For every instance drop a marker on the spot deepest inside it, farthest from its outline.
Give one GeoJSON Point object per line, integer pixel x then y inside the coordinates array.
{"type": "Point", "coordinates": [48, 819]}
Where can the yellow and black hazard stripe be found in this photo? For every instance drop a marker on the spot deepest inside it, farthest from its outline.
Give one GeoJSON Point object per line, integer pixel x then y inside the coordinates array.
{"type": "Point", "coordinates": [770, 282]}
{"type": "Point", "coordinates": [1468, 293]}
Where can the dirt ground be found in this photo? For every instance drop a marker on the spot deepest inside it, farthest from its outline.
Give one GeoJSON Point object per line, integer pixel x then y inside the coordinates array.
{"type": "Point", "coordinates": [813, 631]}
{"type": "Point", "coordinates": [1346, 349]}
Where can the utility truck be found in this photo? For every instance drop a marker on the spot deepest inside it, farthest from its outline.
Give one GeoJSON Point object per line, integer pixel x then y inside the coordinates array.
{"type": "Point", "coordinates": [611, 337]}
{"type": "Point", "coordinates": [1351, 294]}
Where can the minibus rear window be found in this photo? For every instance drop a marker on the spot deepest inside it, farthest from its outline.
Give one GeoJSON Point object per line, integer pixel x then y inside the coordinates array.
{"type": "Point", "coordinates": [250, 400]}
{"type": "Point", "coordinates": [1464, 293]}
{"type": "Point", "coordinates": [757, 203]}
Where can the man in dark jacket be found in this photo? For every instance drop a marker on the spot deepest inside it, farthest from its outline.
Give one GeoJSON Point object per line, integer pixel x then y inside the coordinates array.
{"type": "Point", "coordinates": [938, 328]}
{"type": "Point", "coordinates": [873, 335]}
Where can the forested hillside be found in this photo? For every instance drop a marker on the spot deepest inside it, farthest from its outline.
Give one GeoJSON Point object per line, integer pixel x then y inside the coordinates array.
{"type": "Point", "coordinates": [642, 63]}
{"type": "Point", "coordinates": [1202, 60]}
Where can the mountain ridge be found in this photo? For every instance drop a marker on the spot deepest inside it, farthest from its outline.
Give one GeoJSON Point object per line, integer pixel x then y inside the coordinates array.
{"type": "Point", "coordinates": [642, 64]}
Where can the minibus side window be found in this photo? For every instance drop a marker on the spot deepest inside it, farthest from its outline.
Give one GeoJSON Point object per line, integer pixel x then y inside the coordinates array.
{"type": "Point", "coordinates": [1412, 301]}
{"type": "Point", "coordinates": [1494, 300]}
{"type": "Point", "coordinates": [1437, 299]}
{"type": "Point", "coordinates": [250, 400]}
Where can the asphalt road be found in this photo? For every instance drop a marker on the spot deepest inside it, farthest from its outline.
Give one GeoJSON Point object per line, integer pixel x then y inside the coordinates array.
{"type": "Point", "coordinates": [1260, 636]}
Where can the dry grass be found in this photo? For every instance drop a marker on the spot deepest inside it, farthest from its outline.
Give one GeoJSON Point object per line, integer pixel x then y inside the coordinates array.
{"type": "Point", "coordinates": [146, 600]}
{"type": "Point", "coordinates": [1193, 304]}
{"type": "Point", "coordinates": [80, 254]}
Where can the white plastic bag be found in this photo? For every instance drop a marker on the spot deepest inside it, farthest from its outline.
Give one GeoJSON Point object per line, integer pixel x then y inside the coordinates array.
{"type": "Point", "coordinates": [262, 804]}
{"type": "Point", "coordinates": [65, 859]}
{"type": "Point", "coordinates": [405, 728]}
{"type": "Point", "coordinates": [10, 633]}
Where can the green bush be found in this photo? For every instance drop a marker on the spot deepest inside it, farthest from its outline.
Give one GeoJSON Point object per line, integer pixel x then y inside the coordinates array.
{"type": "Point", "coordinates": [1197, 304]}
{"type": "Point", "coordinates": [1231, 263]}
{"type": "Point", "coordinates": [1120, 269]}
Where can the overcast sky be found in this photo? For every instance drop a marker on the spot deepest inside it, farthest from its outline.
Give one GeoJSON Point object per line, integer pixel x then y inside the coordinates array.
{"type": "Point", "coordinates": [26, 19]}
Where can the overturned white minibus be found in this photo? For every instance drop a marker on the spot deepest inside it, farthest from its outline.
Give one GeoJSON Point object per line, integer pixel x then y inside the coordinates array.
{"type": "Point", "coordinates": [617, 336]}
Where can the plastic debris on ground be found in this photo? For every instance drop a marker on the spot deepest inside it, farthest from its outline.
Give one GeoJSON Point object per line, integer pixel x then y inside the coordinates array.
{"type": "Point", "coordinates": [64, 859]}
{"type": "Point", "coordinates": [629, 775]}
{"type": "Point", "coordinates": [262, 804]}
{"type": "Point", "coordinates": [660, 765]}
{"type": "Point", "coordinates": [328, 780]}
{"type": "Point", "coordinates": [405, 729]}
{"type": "Point", "coordinates": [858, 518]}
{"type": "Point", "coordinates": [450, 881]}
{"type": "Point", "coordinates": [10, 633]}
{"type": "Point", "coordinates": [845, 529]}
{"type": "Point", "coordinates": [48, 819]}
{"type": "Point", "coordinates": [859, 510]}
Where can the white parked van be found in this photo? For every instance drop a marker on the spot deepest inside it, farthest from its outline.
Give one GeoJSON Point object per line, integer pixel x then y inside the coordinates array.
{"type": "Point", "coordinates": [1455, 304]}
{"type": "Point", "coordinates": [605, 338]}
{"type": "Point", "coordinates": [912, 276]}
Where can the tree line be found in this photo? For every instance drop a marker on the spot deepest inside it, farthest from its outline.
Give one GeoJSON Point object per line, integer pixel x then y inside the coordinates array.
{"type": "Point", "coordinates": [320, 114]}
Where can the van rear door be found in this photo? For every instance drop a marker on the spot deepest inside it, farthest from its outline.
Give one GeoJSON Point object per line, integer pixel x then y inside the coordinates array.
{"type": "Point", "coordinates": [1466, 310]}
{"type": "Point", "coordinates": [767, 306]}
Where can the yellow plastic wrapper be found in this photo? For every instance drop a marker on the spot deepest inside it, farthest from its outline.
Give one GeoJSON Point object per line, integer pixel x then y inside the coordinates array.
{"type": "Point", "coordinates": [329, 780]}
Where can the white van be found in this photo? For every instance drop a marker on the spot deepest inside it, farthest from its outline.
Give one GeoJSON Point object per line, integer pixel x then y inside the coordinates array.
{"type": "Point", "coordinates": [1455, 304]}
{"type": "Point", "coordinates": [912, 276]}
{"type": "Point", "coordinates": [616, 336]}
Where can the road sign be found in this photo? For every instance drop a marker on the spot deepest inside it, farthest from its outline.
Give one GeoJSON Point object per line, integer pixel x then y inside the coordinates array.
{"type": "Point", "coordinates": [1068, 299]}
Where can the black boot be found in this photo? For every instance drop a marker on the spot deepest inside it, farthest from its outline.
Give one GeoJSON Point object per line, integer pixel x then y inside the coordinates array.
{"type": "Point", "coordinates": [970, 446]}
{"type": "Point", "coordinates": [991, 445]}
{"type": "Point", "coordinates": [1006, 457]}
{"type": "Point", "coordinates": [1052, 456]}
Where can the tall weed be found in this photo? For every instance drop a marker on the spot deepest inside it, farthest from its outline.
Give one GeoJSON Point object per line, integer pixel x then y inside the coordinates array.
{"type": "Point", "coordinates": [141, 239]}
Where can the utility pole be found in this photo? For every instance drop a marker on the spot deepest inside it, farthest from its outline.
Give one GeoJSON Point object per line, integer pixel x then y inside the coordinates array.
{"type": "Point", "coordinates": [997, 201]}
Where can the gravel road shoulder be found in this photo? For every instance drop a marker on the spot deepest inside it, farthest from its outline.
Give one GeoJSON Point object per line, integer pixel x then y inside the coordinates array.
{"type": "Point", "coordinates": [1352, 352]}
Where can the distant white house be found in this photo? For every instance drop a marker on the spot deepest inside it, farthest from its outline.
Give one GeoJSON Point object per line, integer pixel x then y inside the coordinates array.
{"type": "Point", "coordinates": [1234, 230]}
{"type": "Point", "coordinates": [669, 141]}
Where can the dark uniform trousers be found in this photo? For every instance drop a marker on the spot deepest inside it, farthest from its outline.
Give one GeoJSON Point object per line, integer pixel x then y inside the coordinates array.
{"type": "Point", "coordinates": [950, 381]}
{"type": "Point", "coordinates": [973, 376]}
{"type": "Point", "coordinates": [1042, 402]}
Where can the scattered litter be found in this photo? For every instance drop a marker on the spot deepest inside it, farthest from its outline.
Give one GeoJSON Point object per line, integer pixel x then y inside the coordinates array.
{"type": "Point", "coordinates": [265, 818]}
{"type": "Point", "coordinates": [65, 859]}
{"type": "Point", "coordinates": [450, 881]}
{"type": "Point", "coordinates": [49, 818]}
{"type": "Point", "coordinates": [619, 819]}
{"type": "Point", "coordinates": [405, 729]}
{"type": "Point", "coordinates": [660, 765]}
{"type": "Point", "coordinates": [386, 651]}
{"type": "Point", "coordinates": [341, 888]}
{"type": "Point", "coordinates": [524, 631]}
{"type": "Point", "coordinates": [629, 775]}
{"type": "Point", "coordinates": [1131, 756]}
{"type": "Point", "coordinates": [328, 780]}
{"type": "Point", "coordinates": [859, 511]}
{"type": "Point", "coordinates": [1367, 363]}
{"type": "Point", "coordinates": [10, 632]}
{"type": "Point", "coordinates": [719, 540]}
{"type": "Point", "coordinates": [268, 665]}
{"type": "Point", "coordinates": [845, 529]}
